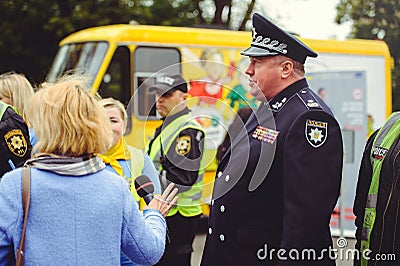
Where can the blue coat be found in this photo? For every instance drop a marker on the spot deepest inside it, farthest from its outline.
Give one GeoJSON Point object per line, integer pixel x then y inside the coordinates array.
{"type": "Point", "coordinates": [278, 184]}
{"type": "Point", "coordinates": [78, 220]}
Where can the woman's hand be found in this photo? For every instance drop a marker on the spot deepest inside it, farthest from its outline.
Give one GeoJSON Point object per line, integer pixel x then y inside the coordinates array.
{"type": "Point", "coordinates": [165, 203]}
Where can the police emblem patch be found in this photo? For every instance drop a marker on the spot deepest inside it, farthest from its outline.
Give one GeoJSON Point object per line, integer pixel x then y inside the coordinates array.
{"type": "Point", "coordinates": [16, 142]}
{"type": "Point", "coordinates": [183, 145]}
{"type": "Point", "coordinates": [316, 132]}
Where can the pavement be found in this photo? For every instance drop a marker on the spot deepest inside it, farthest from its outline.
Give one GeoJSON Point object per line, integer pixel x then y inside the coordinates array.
{"type": "Point", "coordinates": [343, 254]}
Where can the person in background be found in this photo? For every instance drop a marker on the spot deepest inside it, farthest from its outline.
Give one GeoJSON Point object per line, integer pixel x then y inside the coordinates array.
{"type": "Point", "coordinates": [234, 128]}
{"type": "Point", "coordinates": [16, 90]}
{"type": "Point", "coordinates": [79, 212]}
{"type": "Point", "coordinates": [125, 160]}
{"type": "Point", "coordinates": [177, 151]}
{"type": "Point", "coordinates": [376, 204]}
{"type": "Point", "coordinates": [15, 147]}
{"type": "Point", "coordinates": [279, 181]}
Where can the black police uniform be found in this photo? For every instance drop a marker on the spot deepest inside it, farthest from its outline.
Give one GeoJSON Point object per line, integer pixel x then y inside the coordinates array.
{"type": "Point", "coordinates": [181, 229]}
{"type": "Point", "coordinates": [291, 208]}
{"type": "Point", "coordinates": [385, 240]}
{"type": "Point", "coordinates": [15, 146]}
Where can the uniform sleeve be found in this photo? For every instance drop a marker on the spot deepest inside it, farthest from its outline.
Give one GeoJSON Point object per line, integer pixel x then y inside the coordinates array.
{"type": "Point", "coordinates": [363, 184]}
{"type": "Point", "coordinates": [312, 171]}
{"type": "Point", "coordinates": [150, 171]}
{"type": "Point", "coordinates": [182, 162]}
{"type": "Point", "coordinates": [14, 144]}
{"type": "Point", "coordinates": [143, 235]}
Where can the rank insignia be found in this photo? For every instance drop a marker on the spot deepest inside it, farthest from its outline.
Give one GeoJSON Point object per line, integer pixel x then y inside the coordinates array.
{"type": "Point", "coordinates": [183, 145]}
{"type": "Point", "coordinates": [16, 142]}
{"type": "Point", "coordinates": [316, 132]}
{"type": "Point", "coordinates": [265, 134]}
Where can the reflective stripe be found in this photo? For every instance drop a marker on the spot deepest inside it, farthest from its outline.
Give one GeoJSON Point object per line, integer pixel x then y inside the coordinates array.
{"type": "Point", "coordinates": [372, 201]}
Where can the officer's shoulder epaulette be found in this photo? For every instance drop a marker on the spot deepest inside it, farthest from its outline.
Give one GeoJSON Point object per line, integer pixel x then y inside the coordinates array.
{"type": "Point", "coordinates": [308, 99]}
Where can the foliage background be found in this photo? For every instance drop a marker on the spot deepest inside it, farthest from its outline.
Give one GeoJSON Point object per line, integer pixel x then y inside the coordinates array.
{"type": "Point", "coordinates": [31, 29]}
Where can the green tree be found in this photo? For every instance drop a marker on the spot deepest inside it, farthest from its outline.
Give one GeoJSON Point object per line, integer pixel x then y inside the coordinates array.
{"type": "Point", "coordinates": [376, 19]}
{"type": "Point", "coordinates": [31, 29]}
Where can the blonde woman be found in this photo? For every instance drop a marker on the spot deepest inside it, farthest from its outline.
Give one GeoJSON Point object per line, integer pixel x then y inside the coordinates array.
{"type": "Point", "coordinates": [16, 90]}
{"type": "Point", "coordinates": [79, 212]}
{"type": "Point", "coordinates": [125, 160]}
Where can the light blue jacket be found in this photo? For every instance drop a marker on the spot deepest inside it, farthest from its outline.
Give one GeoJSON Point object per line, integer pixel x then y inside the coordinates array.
{"type": "Point", "coordinates": [78, 220]}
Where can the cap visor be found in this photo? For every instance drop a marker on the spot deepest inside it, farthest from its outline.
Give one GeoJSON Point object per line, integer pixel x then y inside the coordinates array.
{"type": "Point", "coordinates": [255, 52]}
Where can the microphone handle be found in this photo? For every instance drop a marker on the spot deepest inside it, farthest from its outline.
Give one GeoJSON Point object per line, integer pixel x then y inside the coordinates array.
{"type": "Point", "coordinates": [147, 198]}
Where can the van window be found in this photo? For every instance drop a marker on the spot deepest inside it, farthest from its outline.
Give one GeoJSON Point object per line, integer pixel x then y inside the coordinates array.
{"type": "Point", "coordinates": [80, 58]}
{"type": "Point", "coordinates": [116, 81]}
{"type": "Point", "coordinates": [150, 61]}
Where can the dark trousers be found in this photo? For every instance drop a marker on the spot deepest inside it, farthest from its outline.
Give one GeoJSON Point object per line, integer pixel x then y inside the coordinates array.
{"type": "Point", "coordinates": [181, 233]}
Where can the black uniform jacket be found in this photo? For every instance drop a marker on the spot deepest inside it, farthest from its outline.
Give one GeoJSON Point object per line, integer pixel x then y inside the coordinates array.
{"type": "Point", "coordinates": [385, 235]}
{"type": "Point", "coordinates": [277, 185]}
{"type": "Point", "coordinates": [15, 147]}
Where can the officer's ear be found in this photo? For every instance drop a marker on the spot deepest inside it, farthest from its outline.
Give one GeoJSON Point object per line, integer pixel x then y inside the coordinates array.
{"type": "Point", "coordinates": [184, 96]}
{"type": "Point", "coordinates": [287, 68]}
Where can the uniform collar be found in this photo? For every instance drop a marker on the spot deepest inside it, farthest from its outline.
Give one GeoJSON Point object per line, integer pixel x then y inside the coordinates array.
{"type": "Point", "coordinates": [283, 97]}
{"type": "Point", "coordinates": [171, 118]}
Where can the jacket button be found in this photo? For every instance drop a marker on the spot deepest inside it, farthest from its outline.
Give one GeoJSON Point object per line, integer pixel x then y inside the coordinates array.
{"type": "Point", "coordinates": [209, 230]}
{"type": "Point", "coordinates": [222, 208]}
{"type": "Point", "coordinates": [222, 237]}
{"type": "Point", "coordinates": [226, 178]}
{"type": "Point", "coordinates": [219, 174]}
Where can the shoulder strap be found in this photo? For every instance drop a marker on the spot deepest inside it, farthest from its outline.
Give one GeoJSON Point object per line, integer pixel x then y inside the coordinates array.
{"type": "Point", "coordinates": [26, 198]}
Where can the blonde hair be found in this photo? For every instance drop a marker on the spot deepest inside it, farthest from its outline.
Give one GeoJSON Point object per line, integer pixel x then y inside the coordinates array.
{"type": "Point", "coordinates": [68, 120]}
{"type": "Point", "coordinates": [18, 89]}
{"type": "Point", "coordinates": [112, 103]}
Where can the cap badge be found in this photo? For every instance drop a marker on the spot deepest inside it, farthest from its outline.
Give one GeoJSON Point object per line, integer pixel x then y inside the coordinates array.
{"type": "Point", "coordinates": [166, 80]}
{"type": "Point", "coordinates": [266, 42]}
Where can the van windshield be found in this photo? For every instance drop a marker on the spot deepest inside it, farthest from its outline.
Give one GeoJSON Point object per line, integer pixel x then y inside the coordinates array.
{"type": "Point", "coordinates": [84, 58]}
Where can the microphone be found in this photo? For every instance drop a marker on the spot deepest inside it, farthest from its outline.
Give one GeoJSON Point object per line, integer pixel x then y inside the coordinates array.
{"type": "Point", "coordinates": [144, 188]}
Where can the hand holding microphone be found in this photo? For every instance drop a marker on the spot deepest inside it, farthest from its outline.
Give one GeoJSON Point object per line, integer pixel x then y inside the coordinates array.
{"type": "Point", "coordinates": [144, 188]}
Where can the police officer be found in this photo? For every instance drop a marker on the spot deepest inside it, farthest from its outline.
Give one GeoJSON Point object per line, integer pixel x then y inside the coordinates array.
{"type": "Point", "coordinates": [15, 147]}
{"type": "Point", "coordinates": [277, 185]}
{"type": "Point", "coordinates": [177, 151]}
{"type": "Point", "coordinates": [376, 205]}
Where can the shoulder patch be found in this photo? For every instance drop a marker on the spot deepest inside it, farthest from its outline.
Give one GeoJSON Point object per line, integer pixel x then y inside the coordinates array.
{"type": "Point", "coordinates": [183, 145]}
{"type": "Point", "coordinates": [308, 99]}
{"type": "Point", "coordinates": [316, 132]}
{"type": "Point", "coordinates": [16, 142]}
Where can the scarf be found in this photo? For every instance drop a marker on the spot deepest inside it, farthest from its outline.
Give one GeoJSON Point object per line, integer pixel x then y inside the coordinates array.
{"type": "Point", "coordinates": [118, 152]}
{"type": "Point", "coordinates": [75, 166]}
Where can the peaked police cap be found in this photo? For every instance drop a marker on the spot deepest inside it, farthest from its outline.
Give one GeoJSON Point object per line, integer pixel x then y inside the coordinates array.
{"type": "Point", "coordinates": [270, 40]}
{"type": "Point", "coordinates": [169, 83]}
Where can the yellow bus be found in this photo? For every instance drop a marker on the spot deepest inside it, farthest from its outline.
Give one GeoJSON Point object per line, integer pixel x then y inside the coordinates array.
{"type": "Point", "coordinates": [353, 76]}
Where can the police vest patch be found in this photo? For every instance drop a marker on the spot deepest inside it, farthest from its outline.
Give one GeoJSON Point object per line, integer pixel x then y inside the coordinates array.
{"type": "Point", "coordinates": [316, 132]}
{"type": "Point", "coordinates": [183, 145]}
{"type": "Point", "coordinates": [378, 153]}
{"type": "Point", "coordinates": [16, 142]}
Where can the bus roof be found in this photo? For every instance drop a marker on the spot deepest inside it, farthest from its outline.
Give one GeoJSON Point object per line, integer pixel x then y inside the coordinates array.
{"type": "Point", "coordinates": [144, 34]}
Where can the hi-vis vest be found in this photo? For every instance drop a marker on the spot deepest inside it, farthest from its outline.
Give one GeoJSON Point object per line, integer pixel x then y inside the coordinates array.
{"type": "Point", "coordinates": [3, 108]}
{"type": "Point", "coordinates": [385, 138]}
{"type": "Point", "coordinates": [136, 166]}
{"type": "Point", "coordinates": [188, 203]}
